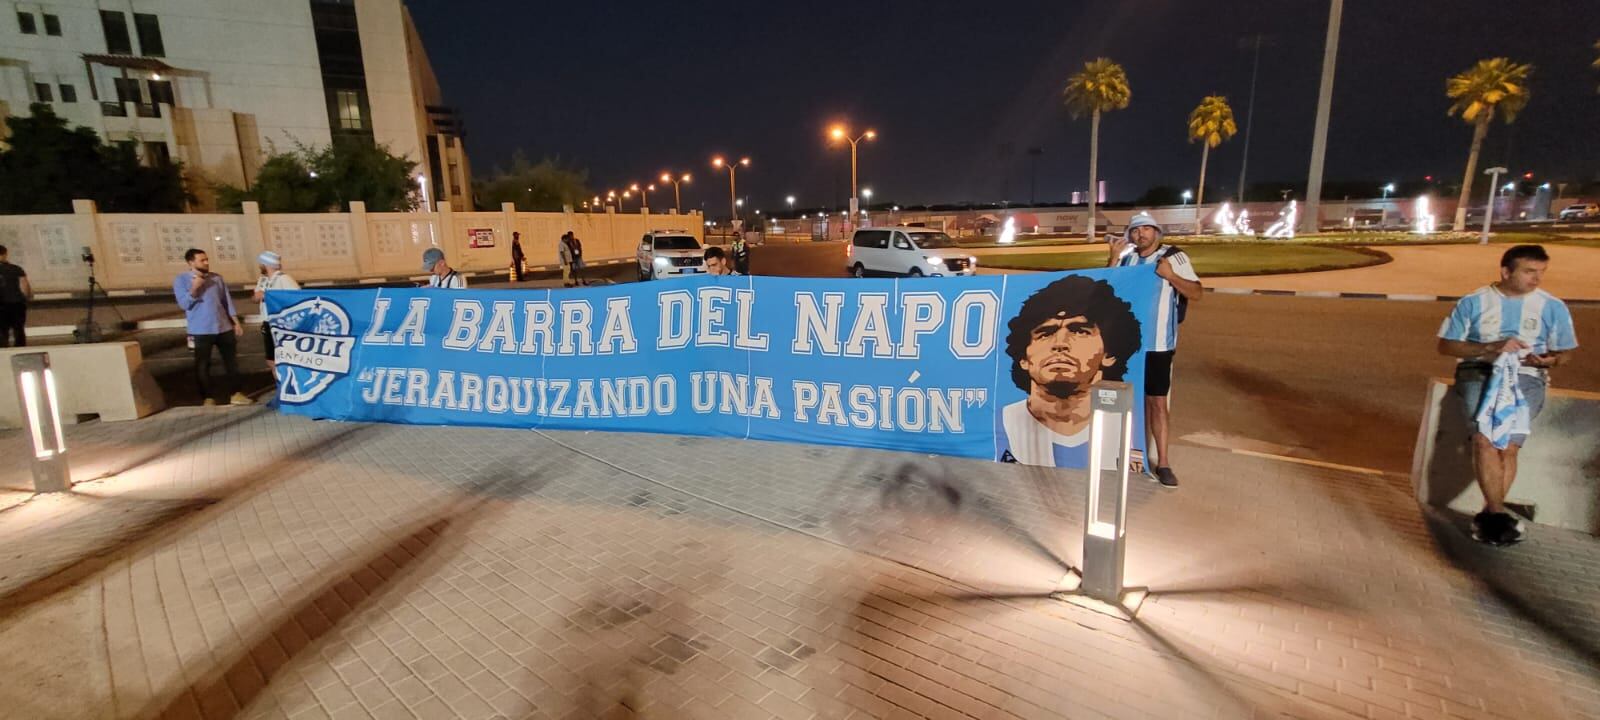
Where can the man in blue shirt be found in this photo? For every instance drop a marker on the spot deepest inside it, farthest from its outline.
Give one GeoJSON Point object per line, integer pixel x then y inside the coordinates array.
{"type": "Point", "coordinates": [212, 321]}
{"type": "Point", "coordinates": [1510, 316]}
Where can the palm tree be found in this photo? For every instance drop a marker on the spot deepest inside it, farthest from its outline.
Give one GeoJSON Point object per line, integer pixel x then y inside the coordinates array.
{"type": "Point", "coordinates": [1211, 123]}
{"type": "Point", "coordinates": [1490, 85]}
{"type": "Point", "coordinates": [1102, 86]}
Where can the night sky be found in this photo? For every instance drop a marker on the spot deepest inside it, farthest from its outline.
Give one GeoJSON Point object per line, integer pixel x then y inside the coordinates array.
{"type": "Point", "coordinates": [960, 91]}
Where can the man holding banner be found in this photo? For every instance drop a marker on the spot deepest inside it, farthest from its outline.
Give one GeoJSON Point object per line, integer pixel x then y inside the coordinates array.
{"type": "Point", "coordinates": [1141, 245]}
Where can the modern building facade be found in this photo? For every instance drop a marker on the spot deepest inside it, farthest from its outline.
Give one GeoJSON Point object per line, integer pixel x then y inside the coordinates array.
{"type": "Point", "coordinates": [219, 84]}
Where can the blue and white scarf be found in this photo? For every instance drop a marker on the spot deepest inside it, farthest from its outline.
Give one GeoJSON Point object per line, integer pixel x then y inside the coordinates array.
{"type": "Point", "coordinates": [1504, 411]}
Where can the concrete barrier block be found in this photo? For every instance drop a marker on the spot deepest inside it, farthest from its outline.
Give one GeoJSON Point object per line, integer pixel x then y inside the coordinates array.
{"type": "Point", "coordinates": [105, 379]}
{"type": "Point", "coordinates": [1558, 472]}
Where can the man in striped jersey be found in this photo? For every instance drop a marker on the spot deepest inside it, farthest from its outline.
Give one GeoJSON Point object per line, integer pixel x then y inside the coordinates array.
{"type": "Point", "coordinates": [1510, 316]}
{"type": "Point", "coordinates": [1141, 245]}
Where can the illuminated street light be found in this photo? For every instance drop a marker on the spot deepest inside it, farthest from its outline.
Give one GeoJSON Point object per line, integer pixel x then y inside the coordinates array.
{"type": "Point", "coordinates": [718, 162]}
{"type": "Point", "coordinates": [840, 133]}
{"type": "Point", "coordinates": [1187, 196]}
{"type": "Point", "coordinates": [1387, 190]}
{"type": "Point", "coordinates": [1105, 537]}
{"type": "Point", "coordinates": [677, 199]}
{"type": "Point", "coordinates": [790, 200]}
{"type": "Point", "coordinates": [41, 417]}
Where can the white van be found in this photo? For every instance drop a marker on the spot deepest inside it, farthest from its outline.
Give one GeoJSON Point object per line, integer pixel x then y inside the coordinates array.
{"type": "Point", "coordinates": [906, 251]}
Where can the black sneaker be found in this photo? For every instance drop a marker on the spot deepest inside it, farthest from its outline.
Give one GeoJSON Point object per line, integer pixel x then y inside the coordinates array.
{"type": "Point", "coordinates": [1166, 477]}
{"type": "Point", "coordinates": [1480, 527]}
{"type": "Point", "coordinates": [1510, 529]}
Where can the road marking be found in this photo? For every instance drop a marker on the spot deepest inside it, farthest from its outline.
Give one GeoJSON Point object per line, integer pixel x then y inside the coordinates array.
{"type": "Point", "coordinates": [1312, 463]}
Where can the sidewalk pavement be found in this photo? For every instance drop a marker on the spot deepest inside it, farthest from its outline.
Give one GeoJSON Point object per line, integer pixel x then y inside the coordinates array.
{"type": "Point", "coordinates": [239, 563]}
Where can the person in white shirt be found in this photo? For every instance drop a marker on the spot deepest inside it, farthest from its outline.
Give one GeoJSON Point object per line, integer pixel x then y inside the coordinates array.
{"type": "Point", "coordinates": [442, 275]}
{"type": "Point", "coordinates": [1141, 245]}
{"type": "Point", "coordinates": [272, 278]}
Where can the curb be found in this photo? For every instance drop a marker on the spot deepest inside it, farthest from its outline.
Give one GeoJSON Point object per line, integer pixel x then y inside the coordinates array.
{"type": "Point", "coordinates": [1401, 297]}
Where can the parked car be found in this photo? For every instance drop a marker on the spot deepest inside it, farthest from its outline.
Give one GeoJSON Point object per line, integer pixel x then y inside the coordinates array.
{"type": "Point", "coordinates": [664, 253]}
{"type": "Point", "coordinates": [1581, 211]}
{"type": "Point", "coordinates": [908, 251]}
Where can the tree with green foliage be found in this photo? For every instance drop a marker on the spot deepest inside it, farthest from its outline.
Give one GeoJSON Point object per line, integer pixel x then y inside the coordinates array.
{"type": "Point", "coordinates": [546, 186]}
{"type": "Point", "coordinates": [1492, 85]}
{"type": "Point", "coordinates": [44, 166]}
{"type": "Point", "coordinates": [329, 178]}
{"type": "Point", "coordinates": [1102, 86]}
{"type": "Point", "coordinates": [1211, 123]}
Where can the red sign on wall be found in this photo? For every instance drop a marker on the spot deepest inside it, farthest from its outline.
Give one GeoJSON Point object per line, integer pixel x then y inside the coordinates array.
{"type": "Point", "coordinates": [480, 237]}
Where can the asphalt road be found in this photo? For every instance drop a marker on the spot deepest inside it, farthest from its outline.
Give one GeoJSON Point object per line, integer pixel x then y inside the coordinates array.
{"type": "Point", "coordinates": [1329, 379]}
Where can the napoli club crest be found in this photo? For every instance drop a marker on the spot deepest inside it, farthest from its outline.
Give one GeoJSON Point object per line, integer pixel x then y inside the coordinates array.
{"type": "Point", "coordinates": [312, 346]}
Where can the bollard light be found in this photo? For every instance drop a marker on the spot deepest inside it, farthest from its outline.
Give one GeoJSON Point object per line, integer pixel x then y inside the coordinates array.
{"type": "Point", "coordinates": [1105, 536]}
{"type": "Point", "coordinates": [36, 389]}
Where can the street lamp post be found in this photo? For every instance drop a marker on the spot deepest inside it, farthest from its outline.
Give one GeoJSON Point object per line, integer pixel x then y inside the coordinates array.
{"type": "Point", "coordinates": [644, 195]}
{"type": "Point", "coordinates": [790, 200]}
{"type": "Point", "coordinates": [677, 198]}
{"type": "Point", "coordinates": [733, 193]}
{"type": "Point", "coordinates": [841, 133]}
{"type": "Point", "coordinates": [1387, 189]}
{"type": "Point", "coordinates": [1187, 196]}
{"type": "Point", "coordinates": [1494, 192]}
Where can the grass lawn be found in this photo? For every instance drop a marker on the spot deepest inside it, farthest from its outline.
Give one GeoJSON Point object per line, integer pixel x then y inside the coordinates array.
{"type": "Point", "coordinates": [1213, 260]}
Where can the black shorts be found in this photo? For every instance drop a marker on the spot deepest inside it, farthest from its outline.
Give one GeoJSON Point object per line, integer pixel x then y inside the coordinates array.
{"type": "Point", "coordinates": [1158, 373]}
{"type": "Point", "coordinates": [266, 342]}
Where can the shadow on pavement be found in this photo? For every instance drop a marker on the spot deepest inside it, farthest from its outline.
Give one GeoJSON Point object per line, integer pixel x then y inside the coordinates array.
{"type": "Point", "coordinates": [1533, 596]}
{"type": "Point", "coordinates": [129, 537]}
{"type": "Point", "coordinates": [224, 691]}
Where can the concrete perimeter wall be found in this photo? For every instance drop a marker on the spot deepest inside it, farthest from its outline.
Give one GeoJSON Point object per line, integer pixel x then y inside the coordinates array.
{"type": "Point", "coordinates": [145, 251]}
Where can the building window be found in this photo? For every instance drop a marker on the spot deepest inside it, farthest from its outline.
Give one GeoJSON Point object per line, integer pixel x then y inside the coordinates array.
{"type": "Point", "coordinates": [156, 154]}
{"type": "Point", "coordinates": [161, 92]}
{"type": "Point", "coordinates": [68, 93]}
{"type": "Point", "coordinates": [149, 29]}
{"type": "Point", "coordinates": [348, 104]}
{"type": "Point", "coordinates": [52, 25]}
{"type": "Point", "coordinates": [128, 90]}
{"type": "Point", "coordinates": [25, 23]}
{"type": "Point", "coordinates": [116, 27]}
{"type": "Point", "coordinates": [42, 90]}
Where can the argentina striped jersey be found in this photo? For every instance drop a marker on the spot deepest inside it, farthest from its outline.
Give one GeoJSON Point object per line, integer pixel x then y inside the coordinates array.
{"type": "Point", "coordinates": [1166, 325]}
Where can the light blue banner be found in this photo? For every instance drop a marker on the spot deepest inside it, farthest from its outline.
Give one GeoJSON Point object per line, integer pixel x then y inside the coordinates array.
{"type": "Point", "coordinates": [983, 367]}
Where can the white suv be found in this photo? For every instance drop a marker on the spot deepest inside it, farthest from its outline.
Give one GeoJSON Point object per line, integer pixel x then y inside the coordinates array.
{"type": "Point", "coordinates": [1580, 211]}
{"type": "Point", "coordinates": [669, 253]}
{"type": "Point", "coordinates": [906, 251]}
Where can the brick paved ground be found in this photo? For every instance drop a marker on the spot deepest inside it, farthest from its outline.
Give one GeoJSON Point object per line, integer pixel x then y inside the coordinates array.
{"type": "Point", "coordinates": [237, 563]}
